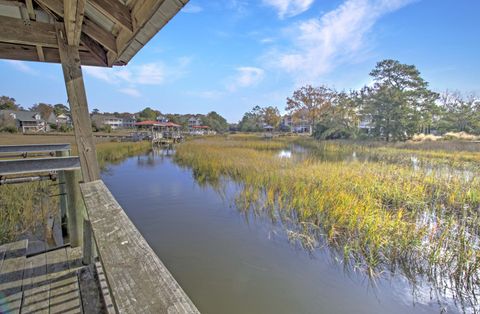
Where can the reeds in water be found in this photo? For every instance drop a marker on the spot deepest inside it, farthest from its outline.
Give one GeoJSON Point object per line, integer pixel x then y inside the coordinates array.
{"type": "Point", "coordinates": [376, 215]}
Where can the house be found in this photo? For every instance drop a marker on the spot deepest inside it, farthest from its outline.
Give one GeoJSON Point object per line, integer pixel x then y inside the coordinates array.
{"type": "Point", "coordinates": [201, 130]}
{"type": "Point", "coordinates": [194, 121]}
{"type": "Point", "coordinates": [365, 125]}
{"type": "Point", "coordinates": [296, 125]}
{"type": "Point", "coordinates": [115, 122]}
{"type": "Point", "coordinates": [162, 118]}
{"type": "Point", "coordinates": [25, 121]}
{"type": "Point", "coordinates": [63, 119]}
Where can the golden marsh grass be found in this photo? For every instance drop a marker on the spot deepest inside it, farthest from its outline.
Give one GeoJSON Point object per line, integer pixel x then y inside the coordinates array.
{"type": "Point", "coordinates": [377, 216]}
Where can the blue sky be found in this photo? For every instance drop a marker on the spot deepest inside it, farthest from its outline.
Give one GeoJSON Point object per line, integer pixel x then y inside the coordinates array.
{"type": "Point", "coordinates": [229, 55]}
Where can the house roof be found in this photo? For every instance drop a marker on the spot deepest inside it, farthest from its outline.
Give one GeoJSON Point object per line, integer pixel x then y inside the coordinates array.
{"type": "Point", "coordinates": [146, 123]}
{"type": "Point", "coordinates": [26, 116]}
{"type": "Point", "coordinates": [107, 32]}
{"type": "Point", "coordinates": [200, 127]}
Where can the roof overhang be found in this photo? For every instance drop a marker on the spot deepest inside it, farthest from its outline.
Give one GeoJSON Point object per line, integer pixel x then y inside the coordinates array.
{"type": "Point", "coordinates": [107, 32]}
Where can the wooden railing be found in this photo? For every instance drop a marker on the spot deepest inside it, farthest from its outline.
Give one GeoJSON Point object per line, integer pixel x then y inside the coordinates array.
{"type": "Point", "coordinates": [137, 279]}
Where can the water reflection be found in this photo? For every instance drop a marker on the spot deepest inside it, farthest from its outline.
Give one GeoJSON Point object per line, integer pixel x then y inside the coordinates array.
{"type": "Point", "coordinates": [232, 263]}
{"type": "Point", "coordinates": [285, 154]}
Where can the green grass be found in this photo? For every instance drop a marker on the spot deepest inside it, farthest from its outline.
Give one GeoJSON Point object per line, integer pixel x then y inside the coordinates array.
{"type": "Point", "coordinates": [379, 215]}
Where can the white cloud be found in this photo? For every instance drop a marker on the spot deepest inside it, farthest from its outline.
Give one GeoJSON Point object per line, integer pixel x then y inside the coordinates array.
{"type": "Point", "coordinates": [150, 74]}
{"type": "Point", "coordinates": [130, 91]}
{"type": "Point", "coordinates": [192, 8]}
{"type": "Point", "coordinates": [267, 40]}
{"type": "Point", "coordinates": [145, 74]}
{"type": "Point", "coordinates": [132, 76]}
{"type": "Point", "coordinates": [246, 77]}
{"type": "Point", "coordinates": [21, 66]}
{"type": "Point", "coordinates": [321, 44]}
{"type": "Point", "coordinates": [289, 8]}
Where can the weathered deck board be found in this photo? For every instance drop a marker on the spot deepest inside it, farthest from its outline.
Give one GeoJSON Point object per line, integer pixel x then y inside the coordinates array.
{"type": "Point", "coordinates": [64, 290]}
{"type": "Point", "coordinates": [89, 287]}
{"type": "Point", "coordinates": [138, 280]}
{"type": "Point", "coordinates": [107, 297]}
{"type": "Point", "coordinates": [51, 282]}
{"type": "Point", "coordinates": [11, 276]}
{"type": "Point", "coordinates": [35, 285]}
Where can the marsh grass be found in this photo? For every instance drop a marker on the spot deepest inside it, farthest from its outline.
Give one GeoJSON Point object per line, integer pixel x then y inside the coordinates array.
{"type": "Point", "coordinates": [21, 210]}
{"type": "Point", "coordinates": [377, 216]}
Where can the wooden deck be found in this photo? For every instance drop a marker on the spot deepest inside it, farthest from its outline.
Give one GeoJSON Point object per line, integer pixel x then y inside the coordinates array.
{"type": "Point", "coordinates": [51, 282]}
{"type": "Point", "coordinates": [138, 280]}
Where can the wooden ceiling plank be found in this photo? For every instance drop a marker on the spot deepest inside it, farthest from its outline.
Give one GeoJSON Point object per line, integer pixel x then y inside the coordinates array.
{"type": "Point", "coordinates": [90, 28]}
{"type": "Point", "coordinates": [56, 6]}
{"type": "Point", "coordinates": [16, 31]}
{"type": "Point", "coordinates": [100, 35]}
{"type": "Point", "coordinates": [96, 50]}
{"type": "Point", "coordinates": [51, 55]}
{"type": "Point", "coordinates": [115, 11]}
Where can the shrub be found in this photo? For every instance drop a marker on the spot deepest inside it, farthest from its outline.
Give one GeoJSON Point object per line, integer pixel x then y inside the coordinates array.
{"type": "Point", "coordinates": [9, 129]}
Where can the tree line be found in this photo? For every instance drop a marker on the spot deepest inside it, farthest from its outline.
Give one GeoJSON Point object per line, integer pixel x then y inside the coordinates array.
{"type": "Point", "coordinates": [397, 105]}
{"type": "Point", "coordinates": [213, 120]}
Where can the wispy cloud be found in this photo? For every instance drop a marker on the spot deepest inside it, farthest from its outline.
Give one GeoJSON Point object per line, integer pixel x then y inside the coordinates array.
{"type": "Point", "coordinates": [321, 44]}
{"type": "Point", "coordinates": [192, 8]}
{"type": "Point", "coordinates": [21, 66]}
{"type": "Point", "coordinates": [130, 91]}
{"type": "Point", "coordinates": [238, 6]}
{"type": "Point", "coordinates": [289, 8]}
{"type": "Point", "coordinates": [156, 73]}
{"type": "Point", "coordinates": [245, 77]}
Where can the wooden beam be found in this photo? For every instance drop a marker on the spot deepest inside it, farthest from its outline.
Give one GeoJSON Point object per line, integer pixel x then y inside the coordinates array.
{"type": "Point", "coordinates": [37, 165]}
{"type": "Point", "coordinates": [51, 55]}
{"type": "Point", "coordinates": [56, 6]}
{"type": "Point", "coordinates": [18, 31]}
{"type": "Point", "coordinates": [33, 148]}
{"type": "Point", "coordinates": [73, 11]}
{"type": "Point", "coordinates": [96, 50]}
{"type": "Point", "coordinates": [115, 11]}
{"type": "Point", "coordinates": [41, 55]}
{"type": "Point", "coordinates": [31, 11]}
{"type": "Point", "coordinates": [100, 35]}
{"type": "Point", "coordinates": [94, 31]}
{"type": "Point", "coordinates": [77, 99]}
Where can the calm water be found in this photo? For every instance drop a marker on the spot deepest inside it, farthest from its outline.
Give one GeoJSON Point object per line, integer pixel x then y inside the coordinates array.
{"type": "Point", "coordinates": [232, 262]}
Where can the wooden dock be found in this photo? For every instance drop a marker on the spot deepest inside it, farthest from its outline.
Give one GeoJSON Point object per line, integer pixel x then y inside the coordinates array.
{"type": "Point", "coordinates": [106, 267]}
{"type": "Point", "coordinates": [47, 282]}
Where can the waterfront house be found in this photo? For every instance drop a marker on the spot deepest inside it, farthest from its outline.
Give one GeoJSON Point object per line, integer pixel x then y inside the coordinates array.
{"type": "Point", "coordinates": [63, 119]}
{"type": "Point", "coordinates": [194, 122]}
{"type": "Point", "coordinates": [115, 122]}
{"type": "Point", "coordinates": [25, 121]}
{"type": "Point", "coordinates": [296, 124]}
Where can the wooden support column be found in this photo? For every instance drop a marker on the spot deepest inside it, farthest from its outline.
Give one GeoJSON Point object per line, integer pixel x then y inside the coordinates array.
{"type": "Point", "coordinates": [62, 188]}
{"type": "Point", "coordinates": [77, 98]}
{"type": "Point", "coordinates": [76, 212]}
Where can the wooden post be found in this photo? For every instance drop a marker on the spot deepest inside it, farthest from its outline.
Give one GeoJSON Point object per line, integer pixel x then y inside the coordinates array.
{"type": "Point", "coordinates": [76, 211]}
{"type": "Point", "coordinates": [89, 251]}
{"type": "Point", "coordinates": [62, 189]}
{"type": "Point", "coordinates": [77, 98]}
